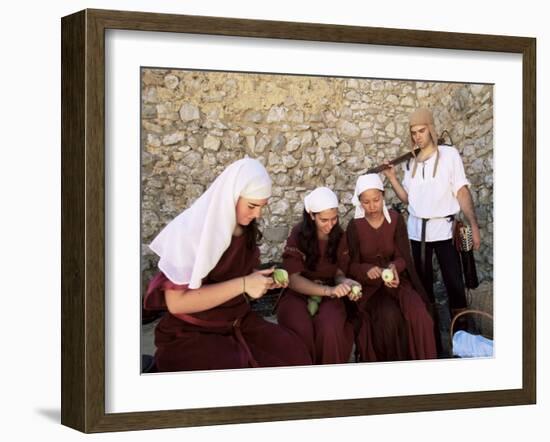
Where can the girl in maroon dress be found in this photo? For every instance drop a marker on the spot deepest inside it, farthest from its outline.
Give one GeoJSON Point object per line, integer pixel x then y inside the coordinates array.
{"type": "Point", "coordinates": [207, 259]}
{"type": "Point", "coordinates": [314, 255]}
{"type": "Point", "coordinates": [393, 315]}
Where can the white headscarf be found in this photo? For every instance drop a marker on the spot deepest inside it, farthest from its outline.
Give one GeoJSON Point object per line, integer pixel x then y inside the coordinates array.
{"type": "Point", "coordinates": [322, 198]}
{"type": "Point", "coordinates": [191, 245]}
{"type": "Point", "coordinates": [366, 182]}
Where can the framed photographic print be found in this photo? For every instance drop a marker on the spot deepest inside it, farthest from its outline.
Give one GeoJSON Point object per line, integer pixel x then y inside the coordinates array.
{"type": "Point", "coordinates": [155, 106]}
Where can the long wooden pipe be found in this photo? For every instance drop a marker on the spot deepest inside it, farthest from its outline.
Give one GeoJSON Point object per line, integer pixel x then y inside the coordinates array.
{"type": "Point", "coordinates": [394, 162]}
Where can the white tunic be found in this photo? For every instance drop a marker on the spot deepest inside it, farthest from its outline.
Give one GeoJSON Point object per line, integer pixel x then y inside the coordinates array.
{"type": "Point", "coordinates": [431, 197]}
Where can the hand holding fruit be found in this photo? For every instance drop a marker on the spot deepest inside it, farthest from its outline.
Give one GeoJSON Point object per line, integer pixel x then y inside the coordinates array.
{"type": "Point", "coordinates": [340, 290]}
{"type": "Point", "coordinates": [356, 290]}
{"type": "Point", "coordinates": [355, 293]}
{"type": "Point", "coordinates": [258, 283]}
{"type": "Point", "coordinates": [390, 276]}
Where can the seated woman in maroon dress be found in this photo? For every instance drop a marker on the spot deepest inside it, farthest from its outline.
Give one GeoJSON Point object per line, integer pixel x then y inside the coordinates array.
{"type": "Point", "coordinates": [208, 254]}
{"type": "Point", "coordinates": [394, 320]}
{"type": "Point", "coordinates": [314, 255]}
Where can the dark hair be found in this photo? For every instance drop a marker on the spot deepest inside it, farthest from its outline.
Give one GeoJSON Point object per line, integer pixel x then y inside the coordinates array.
{"type": "Point", "coordinates": [252, 234]}
{"type": "Point", "coordinates": [308, 242]}
{"type": "Point", "coordinates": [353, 241]}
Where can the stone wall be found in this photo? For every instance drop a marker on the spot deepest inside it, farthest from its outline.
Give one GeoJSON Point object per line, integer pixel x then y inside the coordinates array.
{"type": "Point", "coordinates": [308, 131]}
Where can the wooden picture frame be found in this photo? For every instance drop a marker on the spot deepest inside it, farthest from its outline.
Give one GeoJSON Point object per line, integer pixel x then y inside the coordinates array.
{"type": "Point", "coordinates": [83, 219]}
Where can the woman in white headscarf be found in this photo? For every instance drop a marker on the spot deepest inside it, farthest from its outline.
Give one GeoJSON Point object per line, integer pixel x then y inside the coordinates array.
{"type": "Point", "coordinates": [393, 312]}
{"type": "Point", "coordinates": [208, 254]}
{"type": "Point", "coordinates": [316, 257]}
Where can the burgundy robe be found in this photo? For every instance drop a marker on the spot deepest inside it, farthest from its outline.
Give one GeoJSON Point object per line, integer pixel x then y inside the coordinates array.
{"type": "Point", "coordinates": [227, 336]}
{"type": "Point", "coordinates": [327, 335]}
{"type": "Point", "coordinates": [395, 324]}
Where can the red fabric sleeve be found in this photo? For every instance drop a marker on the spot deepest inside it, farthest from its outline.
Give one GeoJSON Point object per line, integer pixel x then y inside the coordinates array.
{"type": "Point", "coordinates": [398, 261]}
{"type": "Point", "coordinates": [154, 298]}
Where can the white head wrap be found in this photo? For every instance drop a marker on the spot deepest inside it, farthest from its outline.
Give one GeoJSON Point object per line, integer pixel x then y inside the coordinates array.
{"type": "Point", "coordinates": [191, 245]}
{"type": "Point", "coordinates": [322, 198]}
{"type": "Point", "coordinates": [366, 182]}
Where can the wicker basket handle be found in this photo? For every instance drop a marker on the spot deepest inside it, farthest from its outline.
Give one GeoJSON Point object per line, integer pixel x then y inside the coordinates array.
{"type": "Point", "coordinates": [462, 313]}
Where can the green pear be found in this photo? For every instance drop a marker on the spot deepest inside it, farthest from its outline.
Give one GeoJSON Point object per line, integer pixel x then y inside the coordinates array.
{"type": "Point", "coordinates": [312, 307]}
{"type": "Point", "coordinates": [280, 276]}
{"type": "Point", "coordinates": [316, 298]}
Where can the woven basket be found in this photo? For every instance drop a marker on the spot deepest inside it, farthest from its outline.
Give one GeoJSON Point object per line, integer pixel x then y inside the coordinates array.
{"type": "Point", "coordinates": [476, 314]}
{"type": "Point", "coordinates": [481, 299]}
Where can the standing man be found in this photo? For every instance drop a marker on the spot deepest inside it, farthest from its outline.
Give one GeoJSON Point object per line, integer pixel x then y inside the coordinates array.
{"type": "Point", "coordinates": [435, 188]}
